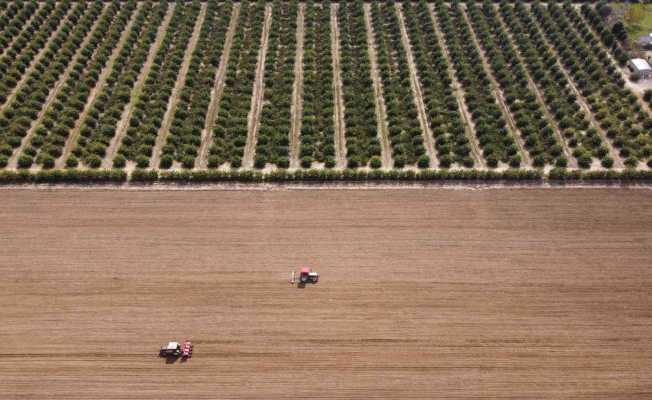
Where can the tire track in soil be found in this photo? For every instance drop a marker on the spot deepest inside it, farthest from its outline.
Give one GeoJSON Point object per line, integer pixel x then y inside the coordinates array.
{"type": "Point", "coordinates": [176, 91]}
{"type": "Point", "coordinates": [71, 141]}
{"type": "Point", "coordinates": [338, 117]}
{"type": "Point", "coordinates": [218, 89]}
{"type": "Point", "coordinates": [12, 164]}
{"type": "Point", "coordinates": [498, 93]}
{"type": "Point", "coordinates": [257, 96]}
{"type": "Point", "coordinates": [618, 162]}
{"type": "Point", "coordinates": [572, 162]}
{"type": "Point", "coordinates": [469, 126]}
{"type": "Point", "coordinates": [138, 87]}
{"type": "Point", "coordinates": [428, 137]}
{"type": "Point", "coordinates": [297, 91]}
{"type": "Point", "coordinates": [30, 68]}
{"type": "Point", "coordinates": [381, 110]}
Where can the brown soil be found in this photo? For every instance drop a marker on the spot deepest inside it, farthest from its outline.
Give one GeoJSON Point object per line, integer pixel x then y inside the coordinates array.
{"type": "Point", "coordinates": [258, 94]}
{"type": "Point", "coordinates": [511, 124]}
{"type": "Point", "coordinates": [524, 294]}
{"type": "Point", "coordinates": [218, 89]}
{"type": "Point", "coordinates": [469, 126]}
{"type": "Point", "coordinates": [416, 90]}
{"type": "Point", "coordinates": [71, 142]}
{"type": "Point", "coordinates": [297, 92]}
{"type": "Point", "coordinates": [13, 161]}
{"type": "Point", "coordinates": [121, 129]}
{"type": "Point", "coordinates": [30, 68]}
{"type": "Point", "coordinates": [162, 136]}
{"type": "Point", "coordinates": [338, 118]}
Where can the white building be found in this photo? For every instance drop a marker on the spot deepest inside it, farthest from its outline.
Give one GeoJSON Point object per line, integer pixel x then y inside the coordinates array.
{"type": "Point", "coordinates": [641, 67]}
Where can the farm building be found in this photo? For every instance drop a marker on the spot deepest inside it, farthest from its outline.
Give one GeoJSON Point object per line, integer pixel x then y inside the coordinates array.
{"type": "Point", "coordinates": [642, 67]}
{"type": "Point", "coordinates": [645, 41]}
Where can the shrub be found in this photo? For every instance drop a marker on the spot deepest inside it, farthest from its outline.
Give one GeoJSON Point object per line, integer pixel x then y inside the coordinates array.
{"type": "Point", "coordinates": [119, 161]}
{"type": "Point", "coordinates": [4, 160]}
{"type": "Point", "coordinates": [25, 161]}
{"type": "Point", "coordinates": [375, 162]}
{"type": "Point", "coordinates": [94, 161]}
{"type": "Point", "coordinates": [166, 161]}
{"type": "Point", "coordinates": [607, 162]}
{"type": "Point", "coordinates": [72, 161]}
{"type": "Point", "coordinates": [423, 162]}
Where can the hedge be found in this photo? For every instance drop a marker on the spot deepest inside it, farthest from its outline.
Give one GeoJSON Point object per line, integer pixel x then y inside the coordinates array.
{"type": "Point", "coordinates": [106, 176]}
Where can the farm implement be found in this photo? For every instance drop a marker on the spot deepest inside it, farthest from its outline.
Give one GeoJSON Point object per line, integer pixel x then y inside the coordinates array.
{"type": "Point", "coordinates": [175, 349]}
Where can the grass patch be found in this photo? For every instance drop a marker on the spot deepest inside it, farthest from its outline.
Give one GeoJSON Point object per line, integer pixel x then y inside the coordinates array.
{"type": "Point", "coordinates": [637, 18]}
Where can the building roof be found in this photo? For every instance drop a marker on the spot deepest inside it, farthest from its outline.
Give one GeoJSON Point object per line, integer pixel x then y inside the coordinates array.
{"type": "Point", "coordinates": [641, 65]}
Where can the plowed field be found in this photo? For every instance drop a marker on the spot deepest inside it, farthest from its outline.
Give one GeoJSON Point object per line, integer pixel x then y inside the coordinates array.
{"type": "Point", "coordinates": [524, 294]}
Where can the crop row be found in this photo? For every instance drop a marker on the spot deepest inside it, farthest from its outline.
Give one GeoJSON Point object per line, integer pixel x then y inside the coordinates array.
{"type": "Point", "coordinates": [230, 132]}
{"type": "Point", "coordinates": [17, 58]}
{"type": "Point", "coordinates": [13, 20]}
{"type": "Point", "coordinates": [152, 103]}
{"type": "Point", "coordinates": [18, 116]}
{"type": "Point", "coordinates": [602, 85]}
{"type": "Point", "coordinates": [99, 126]}
{"type": "Point", "coordinates": [444, 117]}
{"type": "Point", "coordinates": [273, 132]}
{"type": "Point", "coordinates": [317, 130]}
{"type": "Point", "coordinates": [584, 139]}
{"type": "Point", "coordinates": [359, 109]}
{"type": "Point", "coordinates": [185, 134]}
{"type": "Point", "coordinates": [490, 126]}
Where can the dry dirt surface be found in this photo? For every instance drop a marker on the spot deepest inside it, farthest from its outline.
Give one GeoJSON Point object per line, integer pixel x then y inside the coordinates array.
{"type": "Point", "coordinates": [433, 293]}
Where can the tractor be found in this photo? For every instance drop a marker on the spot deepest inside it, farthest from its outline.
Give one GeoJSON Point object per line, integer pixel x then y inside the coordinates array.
{"type": "Point", "coordinates": [175, 349]}
{"type": "Point", "coordinates": [307, 275]}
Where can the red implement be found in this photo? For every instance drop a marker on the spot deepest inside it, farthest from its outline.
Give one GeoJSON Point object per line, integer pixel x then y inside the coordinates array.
{"type": "Point", "coordinates": [186, 349]}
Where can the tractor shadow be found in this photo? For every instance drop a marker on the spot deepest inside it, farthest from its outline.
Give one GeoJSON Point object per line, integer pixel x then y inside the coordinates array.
{"type": "Point", "coordinates": [171, 359]}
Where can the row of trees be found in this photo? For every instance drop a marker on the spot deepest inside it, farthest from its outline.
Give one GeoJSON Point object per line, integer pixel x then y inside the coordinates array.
{"type": "Point", "coordinates": [405, 133]}
{"type": "Point", "coordinates": [185, 134]}
{"type": "Point", "coordinates": [584, 139]}
{"type": "Point", "coordinates": [152, 103]}
{"type": "Point", "coordinates": [18, 117]}
{"type": "Point", "coordinates": [490, 127]}
{"type": "Point", "coordinates": [317, 131]}
{"type": "Point", "coordinates": [14, 19]}
{"type": "Point", "coordinates": [446, 123]}
{"type": "Point", "coordinates": [359, 108]}
{"type": "Point", "coordinates": [230, 132]}
{"type": "Point", "coordinates": [273, 134]}
{"type": "Point", "coordinates": [614, 106]}
{"type": "Point", "coordinates": [19, 55]}
{"type": "Point", "coordinates": [99, 126]}
{"type": "Point", "coordinates": [611, 40]}
{"type": "Point", "coordinates": [537, 132]}
{"type": "Point", "coordinates": [62, 115]}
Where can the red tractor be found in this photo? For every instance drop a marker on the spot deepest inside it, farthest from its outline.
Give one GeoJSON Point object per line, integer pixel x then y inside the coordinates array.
{"type": "Point", "coordinates": [307, 275]}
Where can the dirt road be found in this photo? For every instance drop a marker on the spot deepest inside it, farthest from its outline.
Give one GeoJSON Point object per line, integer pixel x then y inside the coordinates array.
{"type": "Point", "coordinates": [498, 293]}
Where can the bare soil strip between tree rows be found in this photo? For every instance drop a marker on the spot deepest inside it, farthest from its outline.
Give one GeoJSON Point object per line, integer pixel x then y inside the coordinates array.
{"type": "Point", "coordinates": [12, 94]}
{"type": "Point", "coordinates": [257, 95]}
{"type": "Point", "coordinates": [123, 124]}
{"type": "Point", "coordinates": [381, 110]}
{"type": "Point", "coordinates": [218, 89]}
{"type": "Point", "coordinates": [178, 86]}
{"type": "Point", "coordinates": [618, 162]}
{"type": "Point", "coordinates": [572, 162]}
{"type": "Point", "coordinates": [25, 25]}
{"type": "Point", "coordinates": [71, 141]}
{"type": "Point", "coordinates": [338, 117]}
{"type": "Point", "coordinates": [428, 137]}
{"type": "Point", "coordinates": [469, 126]}
{"type": "Point", "coordinates": [13, 161]}
{"type": "Point", "coordinates": [297, 92]}
{"type": "Point", "coordinates": [515, 132]}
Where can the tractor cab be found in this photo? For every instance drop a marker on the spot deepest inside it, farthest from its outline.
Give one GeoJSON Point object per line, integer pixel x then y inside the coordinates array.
{"type": "Point", "coordinates": [172, 349]}
{"type": "Point", "coordinates": [307, 275]}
